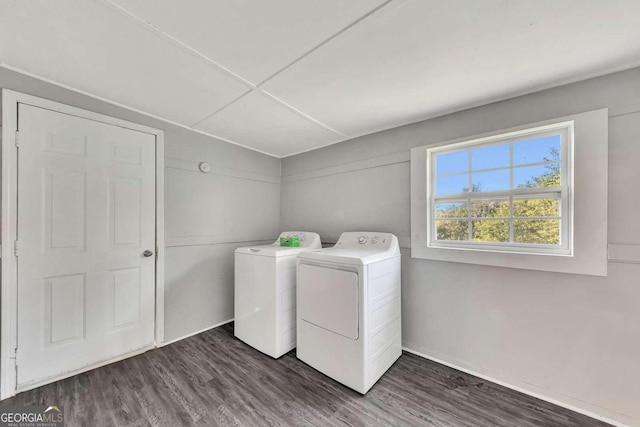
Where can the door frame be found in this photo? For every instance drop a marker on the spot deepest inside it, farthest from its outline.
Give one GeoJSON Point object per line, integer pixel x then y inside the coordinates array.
{"type": "Point", "coordinates": [9, 189]}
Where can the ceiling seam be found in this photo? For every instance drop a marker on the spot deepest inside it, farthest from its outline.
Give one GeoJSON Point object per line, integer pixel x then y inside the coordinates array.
{"type": "Point", "coordinates": [222, 108]}
{"type": "Point", "coordinates": [288, 106]}
{"type": "Point", "coordinates": [306, 54]}
{"type": "Point", "coordinates": [278, 101]}
{"type": "Point", "coordinates": [326, 41]}
{"type": "Point", "coordinates": [158, 31]}
{"type": "Point", "coordinates": [300, 113]}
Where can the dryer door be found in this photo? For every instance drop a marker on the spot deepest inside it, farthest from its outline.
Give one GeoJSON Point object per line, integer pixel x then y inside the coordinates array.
{"type": "Point", "coordinates": [328, 298]}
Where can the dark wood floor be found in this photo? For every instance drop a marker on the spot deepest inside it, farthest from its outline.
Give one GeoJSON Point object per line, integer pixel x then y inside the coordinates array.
{"type": "Point", "coordinates": [213, 379]}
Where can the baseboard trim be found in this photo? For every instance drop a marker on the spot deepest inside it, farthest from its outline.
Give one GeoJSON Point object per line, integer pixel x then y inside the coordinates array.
{"type": "Point", "coordinates": [528, 392]}
{"type": "Point", "coordinates": [196, 333]}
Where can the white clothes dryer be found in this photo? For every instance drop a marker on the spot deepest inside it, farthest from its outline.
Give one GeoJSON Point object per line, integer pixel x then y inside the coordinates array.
{"type": "Point", "coordinates": [348, 314]}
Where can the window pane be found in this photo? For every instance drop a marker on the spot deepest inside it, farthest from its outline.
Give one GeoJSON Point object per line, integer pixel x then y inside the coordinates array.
{"type": "Point", "coordinates": [491, 181]}
{"type": "Point", "coordinates": [452, 184]}
{"type": "Point", "coordinates": [537, 231]}
{"type": "Point", "coordinates": [536, 207]}
{"type": "Point", "coordinates": [495, 156]}
{"type": "Point", "coordinates": [537, 176]}
{"type": "Point", "coordinates": [452, 162]}
{"type": "Point", "coordinates": [490, 230]}
{"type": "Point", "coordinates": [490, 208]}
{"type": "Point", "coordinates": [537, 150]}
{"type": "Point", "coordinates": [451, 210]}
{"type": "Point", "coordinates": [452, 230]}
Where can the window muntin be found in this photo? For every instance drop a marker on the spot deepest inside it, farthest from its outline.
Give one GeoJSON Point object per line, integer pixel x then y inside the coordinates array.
{"type": "Point", "coordinates": [508, 193]}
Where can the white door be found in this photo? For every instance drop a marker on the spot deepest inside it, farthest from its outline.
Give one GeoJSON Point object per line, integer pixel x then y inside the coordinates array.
{"type": "Point", "coordinates": [86, 215]}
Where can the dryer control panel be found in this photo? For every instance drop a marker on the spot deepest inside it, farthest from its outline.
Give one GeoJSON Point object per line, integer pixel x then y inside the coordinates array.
{"type": "Point", "coordinates": [382, 242]}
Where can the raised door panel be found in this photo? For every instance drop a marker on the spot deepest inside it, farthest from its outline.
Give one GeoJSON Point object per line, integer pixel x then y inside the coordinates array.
{"type": "Point", "coordinates": [64, 309]}
{"type": "Point", "coordinates": [131, 155]}
{"type": "Point", "coordinates": [64, 210]}
{"type": "Point", "coordinates": [67, 143]}
{"type": "Point", "coordinates": [125, 298]}
{"type": "Point", "coordinates": [124, 211]}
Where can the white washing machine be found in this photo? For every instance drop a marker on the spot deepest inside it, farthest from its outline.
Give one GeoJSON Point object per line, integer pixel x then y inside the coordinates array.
{"type": "Point", "coordinates": [265, 293]}
{"type": "Point", "coordinates": [349, 324]}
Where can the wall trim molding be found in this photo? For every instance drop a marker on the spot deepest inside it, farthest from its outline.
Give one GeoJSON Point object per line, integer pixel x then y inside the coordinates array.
{"type": "Point", "coordinates": [621, 111]}
{"type": "Point", "coordinates": [617, 252]}
{"type": "Point", "coordinates": [525, 388]}
{"type": "Point", "coordinates": [190, 166]}
{"type": "Point", "coordinates": [357, 165]}
{"type": "Point", "coordinates": [624, 253]}
{"type": "Point", "coordinates": [173, 242]}
{"type": "Point", "coordinates": [196, 333]}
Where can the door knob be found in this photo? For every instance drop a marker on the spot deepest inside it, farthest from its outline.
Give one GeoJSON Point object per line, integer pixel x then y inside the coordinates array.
{"type": "Point", "coordinates": [147, 253]}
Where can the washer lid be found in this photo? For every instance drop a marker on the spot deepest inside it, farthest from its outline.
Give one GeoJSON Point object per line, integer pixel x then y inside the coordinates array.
{"type": "Point", "coordinates": [308, 241]}
{"type": "Point", "coordinates": [271, 250]}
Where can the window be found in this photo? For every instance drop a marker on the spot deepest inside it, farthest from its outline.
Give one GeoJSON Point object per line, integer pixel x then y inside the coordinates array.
{"type": "Point", "coordinates": [509, 192]}
{"type": "Point", "coordinates": [531, 197]}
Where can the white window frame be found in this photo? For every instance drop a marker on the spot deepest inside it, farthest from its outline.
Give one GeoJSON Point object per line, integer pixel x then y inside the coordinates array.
{"type": "Point", "coordinates": [563, 192]}
{"type": "Point", "coordinates": [589, 167]}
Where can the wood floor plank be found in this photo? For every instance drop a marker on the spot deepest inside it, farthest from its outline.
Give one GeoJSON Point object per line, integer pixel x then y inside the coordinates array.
{"type": "Point", "coordinates": [213, 379]}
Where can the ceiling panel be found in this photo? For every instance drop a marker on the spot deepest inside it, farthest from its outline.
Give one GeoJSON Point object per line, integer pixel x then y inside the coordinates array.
{"type": "Point", "coordinates": [89, 46]}
{"type": "Point", "coordinates": [261, 123]}
{"type": "Point", "coordinates": [253, 39]}
{"type": "Point", "coordinates": [415, 59]}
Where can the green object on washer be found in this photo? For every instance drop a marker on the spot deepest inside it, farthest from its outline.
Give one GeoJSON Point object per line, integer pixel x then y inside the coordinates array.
{"type": "Point", "coordinates": [290, 241]}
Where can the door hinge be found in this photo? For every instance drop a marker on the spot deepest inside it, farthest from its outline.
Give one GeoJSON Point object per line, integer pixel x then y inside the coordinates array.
{"type": "Point", "coordinates": [16, 248]}
{"type": "Point", "coordinates": [17, 139]}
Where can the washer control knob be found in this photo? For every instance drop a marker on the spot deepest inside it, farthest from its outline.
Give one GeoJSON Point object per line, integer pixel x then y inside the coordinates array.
{"type": "Point", "coordinates": [362, 240]}
{"type": "Point", "coordinates": [374, 239]}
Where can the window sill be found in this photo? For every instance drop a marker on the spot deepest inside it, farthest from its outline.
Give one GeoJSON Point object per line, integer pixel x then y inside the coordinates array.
{"type": "Point", "coordinates": [525, 250]}
{"type": "Point", "coordinates": [560, 263]}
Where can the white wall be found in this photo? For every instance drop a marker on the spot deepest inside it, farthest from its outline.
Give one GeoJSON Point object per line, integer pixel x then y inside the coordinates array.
{"type": "Point", "coordinates": [571, 338]}
{"type": "Point", "coordinates": [206, 215]}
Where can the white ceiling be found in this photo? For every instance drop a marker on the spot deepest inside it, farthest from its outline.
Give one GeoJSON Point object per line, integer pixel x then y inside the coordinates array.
{"type": "Point", "coordinates": [287, 76]}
